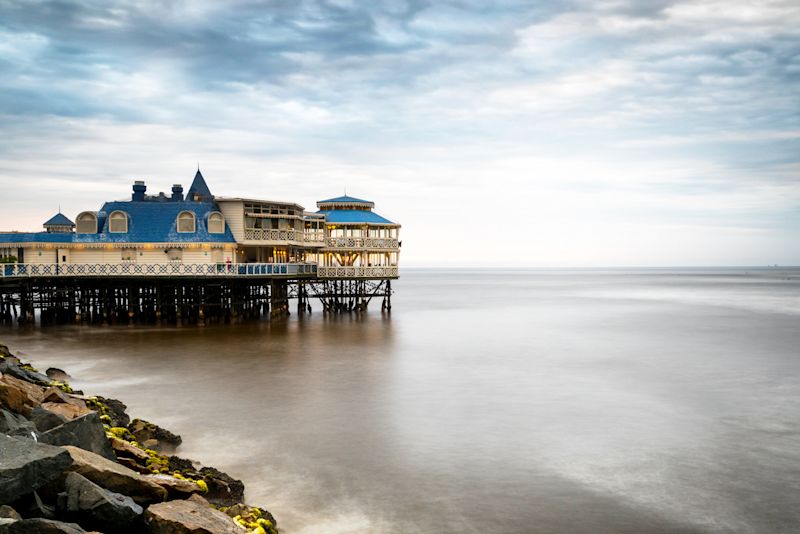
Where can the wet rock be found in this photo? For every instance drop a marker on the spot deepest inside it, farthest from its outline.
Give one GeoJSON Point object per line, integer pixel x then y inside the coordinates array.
{"type": "Point", "coordinates": [177, 488]}
{"type": "Point", "coordinates": [116, 410]}
{"type": "Point", "coordinates": [26, 465]}
{"type": "Point", "coordinates": [124, 449]}
{"type": "Point", "coordinates": [145, 431]}
{"type": "Point", "coordinates": [44, 419]}
{"type": "Point", "coordinates": [54, 373]}
{"type": "Point", "coordinates": [12, 424]}
{"type": "Point", "coordinates": [4, 352]}
{"type": "Point", "coordinates": [9, 513]}
{"type": "Point", "coordinates": [223, 489]}
{"type": "Point", "coordinates": [191, 516]}
{"type": "Point", "coordinates": [23, 372]}
{"type": "Point", "coordinates": [86, 432]}
{"type": "Point", "coordinates": [41, 526]}
{"type": "Point", "coordinates": [99, 508]}
{"type": "Point", "coordinates": [115, 477]}
{"type": "Point", "coordinates": [69, 411]}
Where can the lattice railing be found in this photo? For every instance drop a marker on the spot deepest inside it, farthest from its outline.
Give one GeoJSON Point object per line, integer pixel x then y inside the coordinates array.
{"type": "Point", "coordinates": [261, 234]}
{"type": "Point", "coordinates": [361, 242]}
{"type": "Point", "coordinates": [358, 272]}
{"type": "Point", "coordinates": [164, 269]}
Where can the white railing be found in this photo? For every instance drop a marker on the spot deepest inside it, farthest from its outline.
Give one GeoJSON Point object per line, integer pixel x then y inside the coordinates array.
{"type": "Point", "coordinates": [32, 270]}
{"type": "Point", "coordinates": [261, 234]}
{"type": "Point", "coordinates": [362, 242]}
{"type": "Point", "coordinates": [358, 272]}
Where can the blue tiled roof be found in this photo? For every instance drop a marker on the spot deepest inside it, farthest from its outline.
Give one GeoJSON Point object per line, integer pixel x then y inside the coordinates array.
{"type": "Point", "coordinates": [344, 199]}
{"type": "Point", "coordinates": [199, 187]}
{"type": "Point", "coordinates": [35, 237]}
{"type": "Point", "coordinates": [354, 216]}
{"type": "Point", "coordinates": [156, 222]}
{"type": "Point", "coordinates": [59, 219]}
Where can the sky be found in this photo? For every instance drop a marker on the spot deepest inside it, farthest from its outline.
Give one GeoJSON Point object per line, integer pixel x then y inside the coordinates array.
{"type": "Point", "coordinates": [515, 133]}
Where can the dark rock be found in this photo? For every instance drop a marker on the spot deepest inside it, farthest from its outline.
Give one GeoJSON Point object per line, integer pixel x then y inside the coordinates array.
{"type": "Point", "coordinates": [8, 512]}
{"type": "Point", "coordinates": [99, 508]}
{"type": "Point", "coordinates": [145, 430]}
{"type": "Point", "coordinates": [192, 516]}
{"type": "Point", "coordinates": [15, 425]}
{"type": "Point", "coordinates": [26, 465]}
{"type": "Point", "coordinates": [86, 432]}
{"type": "Point", "coordinates": [176, 463]}
{"type": "Point", "coordinates": [54, 373]}
{"type": "Point", "coordinates": [41, 526]}
{"type": "Point", "coordinates": [44, 420]}
{"type": "Point", "coordinates": [223, 489]}
{"type": "Point", "coordinates": [10, 367]}
{"type": "Point", "coordinates": [115, 477]}
{"type": "Point", "coordinates": [4, 352]}
{"type": "Point", "coordinates": [116, 410]}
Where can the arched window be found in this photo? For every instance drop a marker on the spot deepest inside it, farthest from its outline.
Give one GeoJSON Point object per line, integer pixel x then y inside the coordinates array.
{"type": "Point", "coordinates": [186, 221]}
{"type": "Point", "coordinates": [216, 223]}
{"type": "Point", "coordinates": [118, 222]}
{"type": "Point", "coordinates": [86, 223]}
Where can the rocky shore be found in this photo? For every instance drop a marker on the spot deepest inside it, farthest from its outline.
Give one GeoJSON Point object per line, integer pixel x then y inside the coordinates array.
{"type": "Point", "coordinates": [71, 463]}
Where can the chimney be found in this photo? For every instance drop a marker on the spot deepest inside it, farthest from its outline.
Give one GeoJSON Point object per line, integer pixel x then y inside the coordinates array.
{"type": "Point", "coordinates": [177, 193]}
{"type": "Point", "coordinates": [138, 190]}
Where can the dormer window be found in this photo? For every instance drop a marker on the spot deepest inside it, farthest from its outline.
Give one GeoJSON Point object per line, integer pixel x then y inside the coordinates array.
{"type": "Point", "coordinates": [118, 222]}
{"type": "Point", "coordinates": [216, 223]}
{"type": "Point", "coordinates": [86, 223]}
{"type": "Point", "coordinates": [186, 222]}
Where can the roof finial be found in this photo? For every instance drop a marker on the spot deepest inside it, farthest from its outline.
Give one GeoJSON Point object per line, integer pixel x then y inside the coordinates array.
{"type": "Point", "coordinates": [198, 165]}
{"type": "Point", "coordinates": [59, 208]}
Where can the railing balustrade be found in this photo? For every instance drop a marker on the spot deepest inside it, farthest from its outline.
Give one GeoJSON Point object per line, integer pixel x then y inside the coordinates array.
{"type": "Point", "coordinates": [31, 270]}
{"type": "Point", "coordinates": [358, 272]}
{"type": "Point", "coordinates": [362, 242]}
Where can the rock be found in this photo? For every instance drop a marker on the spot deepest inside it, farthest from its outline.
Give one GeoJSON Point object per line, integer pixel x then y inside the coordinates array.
{"type": "Point", "coordinates": [115, 409]}
{"type": "Point", "coordinates": [4, 352]}
{"type": "Point", "coordinates": [54, 373]}
{"type": "Point", "coordinates": [86, 432]}
{"type": "Point", "coordinates": [188, 517]}
{"type": "Point", "coordinates": [54, 394]}
{"type": "Point", "coordinates": [115, 477]}
{"type": "Point", "coordinates": [44, 419]}
{"type": "Point", "coordinates": [8, 512]}
{"type": "Point", "coordinates": [70, 411]}
{"type": "Point", "coordinates": [99, 508]}
{"type": "Point", "coordinates": [22, 372]}
{"type": "Point", "coordinates": [223, 489]}
{"type": "Point", "coordinates": [130, 463]}
{"type": "Point", "coordinates": [26, 465]}
{"type": "Point", "coordinates": [125, 449]}
{"type": "Point", "coordinates": [150, 444]}
{"type": "Point", "coordinates": [12, 424]}
{"type": "Point", "coordinates": [145, 431]}
{"type": "Point", "coordinates": [18, 395]}
{"type": "Point", "coordinates": [41, 526]}
{"type": "Point", "coordinates": [177, 488]}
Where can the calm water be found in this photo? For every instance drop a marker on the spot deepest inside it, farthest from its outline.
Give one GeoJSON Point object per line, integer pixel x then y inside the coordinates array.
{"type": "Point", "coordinates": [604, 401]}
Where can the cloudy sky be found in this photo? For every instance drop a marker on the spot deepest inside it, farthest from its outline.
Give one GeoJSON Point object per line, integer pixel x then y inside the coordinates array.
{"type": "Point", "coordinates": [582, 133]}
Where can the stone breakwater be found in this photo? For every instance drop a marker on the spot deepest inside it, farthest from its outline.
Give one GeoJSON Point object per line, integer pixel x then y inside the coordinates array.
{"type": "Point", "coordinates": [70, 463]}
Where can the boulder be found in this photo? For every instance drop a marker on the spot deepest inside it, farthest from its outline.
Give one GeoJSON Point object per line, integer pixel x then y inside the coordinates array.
{"type": "Point", "coordinates": [115, 409]}
{"type": "Point", "coordinates": [177, 488]}
{"type": "Point", "coordinates": [12, 424]}
{"type": "Point", "coordinates": [86, 432]}
{"type": "Point", "coordinates": [124, 449]}
{"type": "Point", "coordinates": [145, 431]}
{"type": "Point", "coordinates": [4, 352]}
{"type": "Point", "coordinates": [69, 411]}
{"type": "Point", "coordinates": [99, 508]}
{"type": "Point", "coordinates": [223, 489]}
{"type": "Point", "coordinates": [191, 516]}
{"type": "Point", "coordinates": [22, 372]}
{"type": "Point", "coordinates": [44, 419]}
{"type": "Point", "coordinates": [54, 373]}
{"type": "Point", "coordinates": [41, 526]}
{"type": "Point", "coordinates": [18, 395]}
{"type": "Point", "coordinates": [26, 465]}
{"type": "Point", "coordinates": [54, 394]}
{"type": "Point", "coordinates": [115, 477]}
{"type": "Point", "coordinates": [9, 513]}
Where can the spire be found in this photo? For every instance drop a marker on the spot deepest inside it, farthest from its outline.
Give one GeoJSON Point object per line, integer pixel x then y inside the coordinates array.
{"type": "Point", "coordinates": [199, 188]}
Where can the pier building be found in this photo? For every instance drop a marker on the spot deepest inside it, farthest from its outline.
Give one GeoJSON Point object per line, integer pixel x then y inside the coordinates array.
{"type": "Point", "coordinates": [198, 257]}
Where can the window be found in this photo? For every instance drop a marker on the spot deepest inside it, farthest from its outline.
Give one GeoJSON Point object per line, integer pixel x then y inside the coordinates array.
{"type": "Point", "coordinates": [86, 223]}
{"type": "Point", "coordinates": [216, 223]}
{"type": "Point", "coordinates": [175, 254]}
{"type": "Point", "coordinates": [186, 221]}
{"type": "Point", "coordinates": [118, 222]}
{"type": "Point", "coordinates": [128, 254]}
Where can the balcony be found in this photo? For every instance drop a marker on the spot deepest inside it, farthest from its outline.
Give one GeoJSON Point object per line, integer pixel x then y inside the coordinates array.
{"type": "Point", "coordinates": [261, 234]}
{"type": "Point", "coordinates": [238, 270]}
{"type": "Point", "coordinates": [374, 243]}
{"type": "Point", "coordinates": [379, 272]}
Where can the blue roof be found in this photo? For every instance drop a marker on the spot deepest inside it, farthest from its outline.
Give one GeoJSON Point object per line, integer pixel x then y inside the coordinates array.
{"type": "Point", "coordinates": [59, 219]}
{"type": "Point", "coordinates": [36, 237]}
{"type": "Point", "coordinates": [343, 199]}
{"type": "Point", "coordinates": [354, 216]}
{"type": "Point", "coordinates": [199, 187]}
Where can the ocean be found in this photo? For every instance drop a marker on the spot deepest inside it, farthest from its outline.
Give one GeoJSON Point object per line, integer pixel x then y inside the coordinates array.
{"type": "Point", "coordinates": [503, 401]}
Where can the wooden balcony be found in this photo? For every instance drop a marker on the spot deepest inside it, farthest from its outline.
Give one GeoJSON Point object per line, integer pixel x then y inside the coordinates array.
{"type": "Point", "coordinates": [46, 270]}
{"type": "Point", "coordinates": [362, 243]}
{"type": "Point", "coordinates": [284, 236]}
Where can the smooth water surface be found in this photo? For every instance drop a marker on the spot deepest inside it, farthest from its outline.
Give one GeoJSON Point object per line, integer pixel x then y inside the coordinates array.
{"type": "Point", "coordinates": [490, 401]}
